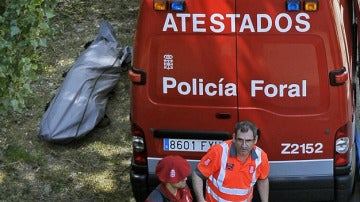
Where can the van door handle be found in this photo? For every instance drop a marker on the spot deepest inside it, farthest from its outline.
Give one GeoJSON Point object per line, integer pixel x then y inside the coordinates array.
{"type": "Point", "coordinates": [223, 115]}
{"type": "Point", "coordinates": [338, 77]}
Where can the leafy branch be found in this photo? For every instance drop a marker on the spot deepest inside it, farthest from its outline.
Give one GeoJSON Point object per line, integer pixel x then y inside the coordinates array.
{"type": "Point", "coordinates": [25, 27]}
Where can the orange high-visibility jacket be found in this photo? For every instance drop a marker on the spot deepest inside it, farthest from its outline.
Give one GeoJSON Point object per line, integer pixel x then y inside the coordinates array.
{"type": "Point", "coordinates": [228, 178]}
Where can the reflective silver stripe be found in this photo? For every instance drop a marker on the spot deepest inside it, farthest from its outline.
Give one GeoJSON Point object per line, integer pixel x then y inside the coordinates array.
{"type": "Point", "coordinates": [218, 198]}
{"type": "Point", "coordinates": [257, 163]}
{"type": "Point", "coordinates": [214, 195]}
{"type": "Point", "coordinates": [224, 155]}
{"type": "Point", "coordinates": [231, 191]}
{"type": "Point", "coordinates": [279, 169]}
{"type": "Point", "coordinates": [309, 168]}
{"type": "Point", "coordinates": [218, 183]}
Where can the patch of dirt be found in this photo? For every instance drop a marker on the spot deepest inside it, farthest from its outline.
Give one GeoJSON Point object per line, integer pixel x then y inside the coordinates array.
{"type": "Point", "coordinates": [95, 168]}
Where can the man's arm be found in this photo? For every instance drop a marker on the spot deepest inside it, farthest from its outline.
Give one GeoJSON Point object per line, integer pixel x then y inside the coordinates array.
{"type": "Point", "coordinates": [198, 185]}
{"type": "Point", "coordinates": [263, 188]}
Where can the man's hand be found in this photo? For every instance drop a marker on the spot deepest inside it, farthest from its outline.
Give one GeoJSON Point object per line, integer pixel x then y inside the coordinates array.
{"type": "Point", "coordinates": [198, 185]}
{"type": "Point", "coordinates": [263, 188]}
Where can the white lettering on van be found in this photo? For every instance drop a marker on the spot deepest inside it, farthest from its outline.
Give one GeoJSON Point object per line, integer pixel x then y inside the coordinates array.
{"type": "Point", "coordinates": [218, 26]}
{"type": "Point", "coordinates": [260, 27]}
{"type": "Point", "coordinates": [198, 20]}
{"type": "Point", "coordinates": [183, 17]}
{"type": "Point", "coordinates": [197, 86]}
{"type": "Point", "coordinates": [302, 22]}
{"type": "Point", "coordinates": [280, 90]}
{"type": "Point", "coordinates": [233, 18]}
{"type": "Point", "coordinates": [247, 24]}
{"type": "Point", "coordinates": [286, 18]}
{"type": "Point", "coordinates": [261, 23]}
{"type": "Point", "coordinates": [170, 23]}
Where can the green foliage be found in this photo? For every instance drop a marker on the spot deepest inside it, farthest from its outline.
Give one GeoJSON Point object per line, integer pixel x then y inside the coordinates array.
{"type": "Point", "coordinates": [25, 26]}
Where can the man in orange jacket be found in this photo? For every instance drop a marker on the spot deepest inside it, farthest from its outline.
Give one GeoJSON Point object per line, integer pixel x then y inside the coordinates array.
{"type": "Point", "coordinates": [233, 167]}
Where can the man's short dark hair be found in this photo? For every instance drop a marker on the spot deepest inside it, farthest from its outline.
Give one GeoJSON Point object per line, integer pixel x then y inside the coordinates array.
{"type": "Point", "coordinates": [245, 126]}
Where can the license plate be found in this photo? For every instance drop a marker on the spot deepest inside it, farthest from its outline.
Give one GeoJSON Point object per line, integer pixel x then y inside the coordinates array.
{"type": "Point", "coordinates": [188, 145]}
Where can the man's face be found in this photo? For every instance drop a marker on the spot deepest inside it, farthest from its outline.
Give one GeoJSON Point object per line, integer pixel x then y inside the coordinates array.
{"type": "Point", "coordinates": [244, 142]}
{"type": "Point", "coordinates": [180, 184]}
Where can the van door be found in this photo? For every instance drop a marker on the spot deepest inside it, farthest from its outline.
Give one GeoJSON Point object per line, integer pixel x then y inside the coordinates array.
{"type": "Point", "coordinates": [283, 64]}
{"type": "Point", "coordinates": [191, 78]}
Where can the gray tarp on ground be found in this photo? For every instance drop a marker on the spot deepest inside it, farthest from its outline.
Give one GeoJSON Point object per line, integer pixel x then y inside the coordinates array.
{"type": "Point", "coordinates": [80, 103]}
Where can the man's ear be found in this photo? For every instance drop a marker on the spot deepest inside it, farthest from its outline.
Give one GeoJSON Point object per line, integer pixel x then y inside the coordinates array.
{"type": "Point", "coordinates": [257, 136]}
{"type": "Point", "coordinates": [258, 133]}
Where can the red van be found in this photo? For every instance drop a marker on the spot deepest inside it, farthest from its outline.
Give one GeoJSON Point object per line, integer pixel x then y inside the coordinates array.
{"type": "Point", "coordinates": [289, 66]}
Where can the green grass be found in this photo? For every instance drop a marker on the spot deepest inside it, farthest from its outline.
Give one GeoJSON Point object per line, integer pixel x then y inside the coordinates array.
{"type": "Point", "coordinates": [95, 168]}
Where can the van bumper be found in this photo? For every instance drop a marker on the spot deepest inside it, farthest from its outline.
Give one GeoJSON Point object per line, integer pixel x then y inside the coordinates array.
{"type": "Point", "coordinates": [142, 183]}
{"type": "Point", "coordinates": [326, 188]}
{"type": "Point", "coordinates": [314, 189]}
{"type": "Point", "coordinates": [344, 187]}
{"type": "Point", "coordinates": [345, 179]}
{"type": "Point", "coordinates": [302, 189]}
{"type": "Point", "coordinates": [296, 189]}
{"type": "Point", "coordinates": [323, 188]}
{"type": "Point", "coordinates": [138, 185]}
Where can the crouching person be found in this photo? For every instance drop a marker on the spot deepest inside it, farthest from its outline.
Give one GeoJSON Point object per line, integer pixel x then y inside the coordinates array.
{"type": "Point", "coordinates": [172, 171]}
